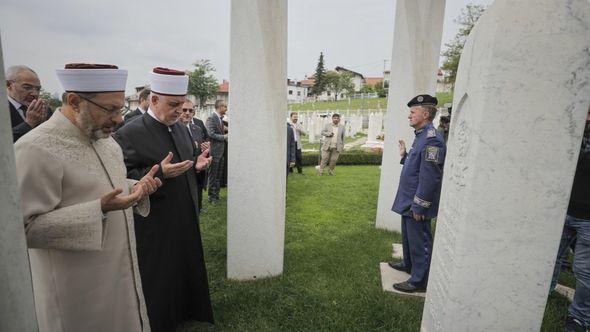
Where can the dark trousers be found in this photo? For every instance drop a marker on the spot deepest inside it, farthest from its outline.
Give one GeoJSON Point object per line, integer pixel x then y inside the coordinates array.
{"type": "Point", "coordinates": [298, 162]}
{"type": "Point", "coordinates": [417, 248]}
{"type": "Point", "coordinates": [214, 178]}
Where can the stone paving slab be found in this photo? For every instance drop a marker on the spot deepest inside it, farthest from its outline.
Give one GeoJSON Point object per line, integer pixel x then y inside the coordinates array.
{"type": "Point", "coordinates": [391, 276]}
{"type": "Point", "coordinates": [565, 291]}
{"type": "Point", "coordinates": [397, 251]}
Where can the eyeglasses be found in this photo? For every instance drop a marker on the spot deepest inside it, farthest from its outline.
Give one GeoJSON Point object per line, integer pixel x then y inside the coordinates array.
{"type": "Point", "coordinates": [187, 110]}
{"type": "Point", "coordinates": [110, 112]}
{"type": "Point", "coordinates": [28, 87]}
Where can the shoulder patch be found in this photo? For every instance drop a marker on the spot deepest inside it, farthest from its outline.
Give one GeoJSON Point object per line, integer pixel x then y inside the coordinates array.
{"type": "Point", "coordinates": [432, 153]}
{"type": "Point", "coordinates": [431, 133]}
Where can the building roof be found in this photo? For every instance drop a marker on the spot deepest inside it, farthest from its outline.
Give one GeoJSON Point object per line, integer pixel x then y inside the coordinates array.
{"type": "Point", "coordinates": [372, 81]}
{"type": "Point", "coordinates": [223, 87]}
{"type": "Point", "coordinates": [307, 82]}
{"type": "Point", "coordinates": [350, 71]}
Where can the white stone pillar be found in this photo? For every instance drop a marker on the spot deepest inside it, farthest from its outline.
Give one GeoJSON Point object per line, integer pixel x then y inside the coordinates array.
{"type": "Point", "coordinates": [414, 64]}
{"type": "Point", "coordinates": [258, 139]}
{"type": "Point", "coordinates": [17, 307]}
{"type": "Point", "coordinates": [521, 98]}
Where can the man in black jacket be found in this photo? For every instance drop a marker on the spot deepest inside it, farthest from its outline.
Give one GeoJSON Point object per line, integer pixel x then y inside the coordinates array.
{"type": "Point", "coordinates": [169, 248]}
{"type": "Point", "coordinates": [27, 111]}
{"type": "Point", "coordinates": [577, 228]}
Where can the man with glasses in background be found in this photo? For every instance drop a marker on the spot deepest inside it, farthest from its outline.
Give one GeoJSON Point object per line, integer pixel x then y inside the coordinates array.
{"type": "Point", "coordinates": [198, 137]}
{"type": "Point", "coordinates": [27, 111]}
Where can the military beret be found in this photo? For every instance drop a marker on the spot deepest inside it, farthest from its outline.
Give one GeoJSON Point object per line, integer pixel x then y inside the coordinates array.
{"type": "Point", "coordinates": [423, 100]}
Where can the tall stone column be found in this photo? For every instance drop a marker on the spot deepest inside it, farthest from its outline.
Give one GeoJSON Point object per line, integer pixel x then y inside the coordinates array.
{"type": "Point", "coordinates": [257, 141]}
{"type": "Point", "coordinates": [520, 103]}
{"type": "Point", "coordinates": [414, 65]}
{"type": "Point", "coordinates": [17, 308]}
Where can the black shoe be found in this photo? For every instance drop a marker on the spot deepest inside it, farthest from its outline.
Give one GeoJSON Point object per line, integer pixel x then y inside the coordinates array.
{"type": "Point", "coordinates": [573, 324]}
{"type": "Point", "coordinates": [398, 266]}
{"type": "Point", "coordinates": [407, 287]}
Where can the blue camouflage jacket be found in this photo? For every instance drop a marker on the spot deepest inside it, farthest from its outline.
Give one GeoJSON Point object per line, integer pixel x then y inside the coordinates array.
{"type": "Point", "coordinates": [421, 177]}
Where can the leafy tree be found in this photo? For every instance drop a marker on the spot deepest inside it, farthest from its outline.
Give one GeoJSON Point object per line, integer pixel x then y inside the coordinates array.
{"type": "Point", "coordinates": [339, 82]}
{"type": "Point", "coordinates": [320, 77]}
{"type": "Point", "coordinates": [367, 89]}
{"type": "Point", "coordinates": [453, 49]}
{"type": "Point", "coordinates": [201, 82]}
{"type": "Point", "coordinates": [52, 101]}
{"type": "Point", "coordinates": [381, 89]}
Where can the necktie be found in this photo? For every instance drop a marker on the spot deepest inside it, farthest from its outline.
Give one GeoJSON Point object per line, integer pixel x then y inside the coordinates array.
{"type": "Point", "coordinates": [24, 108]}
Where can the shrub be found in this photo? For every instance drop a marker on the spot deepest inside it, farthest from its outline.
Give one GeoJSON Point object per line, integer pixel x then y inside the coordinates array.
{"type": "Point", "coordinates": [345, 158]}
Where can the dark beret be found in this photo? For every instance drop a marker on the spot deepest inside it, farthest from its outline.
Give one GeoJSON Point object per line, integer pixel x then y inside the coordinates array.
{"type": "Point", "coordinates": [423, 100]}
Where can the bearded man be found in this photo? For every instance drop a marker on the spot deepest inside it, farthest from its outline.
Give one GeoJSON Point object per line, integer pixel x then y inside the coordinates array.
{"type": "Point", "coordinates": [169, 246]}
{"type": "Point", "coordinates": [77, 204]}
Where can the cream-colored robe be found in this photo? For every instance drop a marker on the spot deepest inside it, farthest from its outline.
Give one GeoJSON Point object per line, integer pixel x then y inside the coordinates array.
{"type": "Point", "coordinates": [84, 269]}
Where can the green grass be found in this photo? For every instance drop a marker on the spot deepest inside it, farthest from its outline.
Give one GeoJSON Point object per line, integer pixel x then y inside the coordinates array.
{"type": "Point", "coordinates": [358, 104]}
{"type": "Point", "coordinates": [331, 279]}
{"type": "Point", "coordinates": [355, 104]}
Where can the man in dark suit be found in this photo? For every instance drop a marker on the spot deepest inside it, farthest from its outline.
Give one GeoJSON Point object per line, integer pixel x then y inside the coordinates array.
{"type": "Point", "coordinates": [27, 111]}
{"type": "Point", "coordinates": [217, 137]}
{"type": "Point", "coordinates": [291, 147]}
{"type": "Point", "coordinates": [199, 123]}
{"type": "Point", "coordinates": [144, 103]}
{"type": "Point", "coordinates": [198, 139]}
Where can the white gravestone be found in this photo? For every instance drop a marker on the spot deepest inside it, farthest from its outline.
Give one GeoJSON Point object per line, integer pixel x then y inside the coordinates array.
{"type": "Point", "coordinates": [521, 98]}
{"type": "Point", "coordinates": [414, 65]}
{"type": "Point", "coordinates": [17, 307]}
{"type": "Point", "coordinates": [256, 184]}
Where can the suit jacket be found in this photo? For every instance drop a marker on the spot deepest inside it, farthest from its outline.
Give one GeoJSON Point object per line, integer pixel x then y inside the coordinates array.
{"type": "Point", "coordinates": [198, 137]}
{"type": "Point", "coordinates": [85, 269]}
{"type": "Point", "coordinates": [291, 145]}
{"type": "Point", "coordinates": [215, 130]}
{"type": "Point", "coordinates": [327, 140]}
{"type": "Point", "coordinates": [201, 125]}
{"type": "Point", "coordinates": [19, 126]}
{"type": "Point", "coordinates": [132, 114]}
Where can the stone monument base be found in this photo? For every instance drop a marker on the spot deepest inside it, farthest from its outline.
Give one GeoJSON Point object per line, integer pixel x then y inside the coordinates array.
{"type": "Point", "coordinates": [391, 276]}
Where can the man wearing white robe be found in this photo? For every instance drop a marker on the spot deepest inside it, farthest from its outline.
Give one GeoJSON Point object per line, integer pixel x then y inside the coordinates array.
{"type": "Point", "coordinates": [78, 209]}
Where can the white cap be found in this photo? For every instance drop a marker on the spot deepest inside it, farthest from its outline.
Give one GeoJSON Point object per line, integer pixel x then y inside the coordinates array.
{"type": "Point", "coordinates": [92, 78]}
{"type": "Point", "coordinates": [169, 82]}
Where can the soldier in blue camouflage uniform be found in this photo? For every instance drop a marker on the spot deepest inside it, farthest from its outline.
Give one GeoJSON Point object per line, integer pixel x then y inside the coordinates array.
{"type": "Point", "coordinates": [418, 192]}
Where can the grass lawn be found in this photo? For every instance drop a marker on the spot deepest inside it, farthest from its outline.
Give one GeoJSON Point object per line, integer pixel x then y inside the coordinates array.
{"type": "Point", "coordinates": [331, 278]}
{"type": "Point", "coordinates": [358, 104]}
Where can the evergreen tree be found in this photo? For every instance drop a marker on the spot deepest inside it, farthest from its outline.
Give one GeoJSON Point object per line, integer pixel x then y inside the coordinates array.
{"type": "Point", "coordinates": [320, 77]}
{"type": "Point", "coordinates": [453, 49]}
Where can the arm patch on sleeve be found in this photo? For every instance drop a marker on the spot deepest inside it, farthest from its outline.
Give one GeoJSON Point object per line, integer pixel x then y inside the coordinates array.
{"type": "Point", "coordinates": [432, 153]}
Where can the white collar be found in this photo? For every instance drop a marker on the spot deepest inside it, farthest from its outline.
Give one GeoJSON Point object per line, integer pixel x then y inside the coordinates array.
{"type": "Point", "coordinates": [14, 103]}
{"type": "Point", "coordinates": [141, 110]}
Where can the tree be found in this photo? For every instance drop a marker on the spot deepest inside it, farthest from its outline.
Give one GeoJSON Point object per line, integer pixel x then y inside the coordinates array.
{"type": "Point", "coordinates": [320, 77]}
{"type": "Point", "coordinates": [201, 82]}
{"type": "Point", "coordinates": [339, 82]}
{"type": "Point", "coordinates": [52, 101]}
{"type": "Point", "coordinates": [453, 49]}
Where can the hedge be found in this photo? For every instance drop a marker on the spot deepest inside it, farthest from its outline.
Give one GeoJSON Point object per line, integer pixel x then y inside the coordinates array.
{"type": "Point", "coordinates": [345, 158]}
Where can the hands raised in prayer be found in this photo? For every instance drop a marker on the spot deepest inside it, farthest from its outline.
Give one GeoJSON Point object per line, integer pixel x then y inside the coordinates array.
{"type": "Point", "coordinates": [402, 148]}
{"type": "Point", "coordinates": [173, 170]}
{"type": "Point", "coordinates": [113, 201]}
{"type": "Point", "coordinates": [203, 161]}
{"type": "Point", "coordinates": [36, 112]}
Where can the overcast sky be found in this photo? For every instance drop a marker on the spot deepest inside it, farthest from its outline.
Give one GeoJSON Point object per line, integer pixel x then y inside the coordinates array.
{"type": "Point", "coordinates": [138, 36]}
